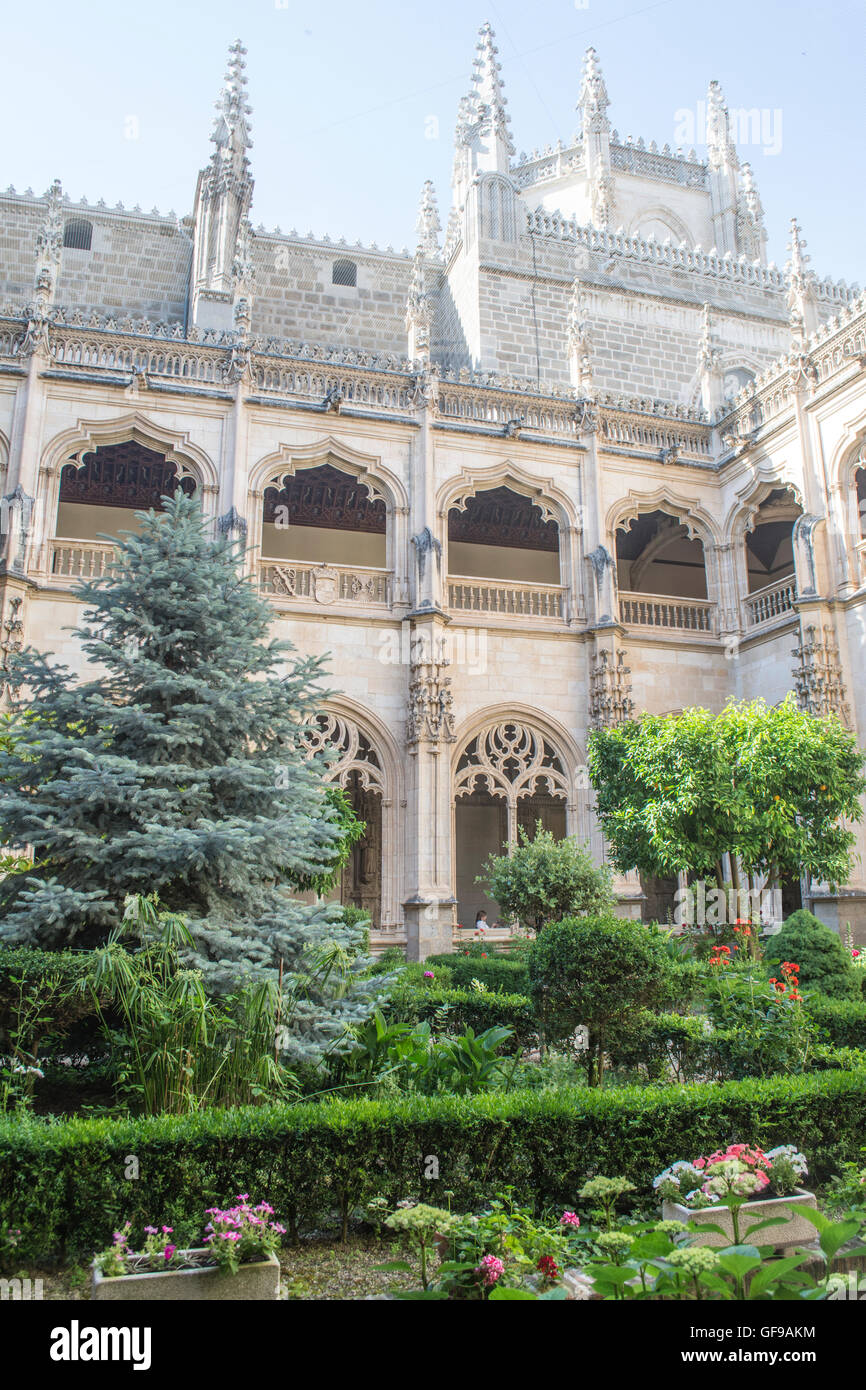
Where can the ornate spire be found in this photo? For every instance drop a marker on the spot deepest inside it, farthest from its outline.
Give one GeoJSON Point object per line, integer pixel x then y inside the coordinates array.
{"type": "Point", "coordinates": [802, 306]}
{"type": "Point", "coordinates": [593, 100]}
{"type": "Point", "coordinates": [229, 167]}
{"type": "Point", "coordinates": [48, 249]}
{"type": "Point", "coordinates": [751, 233]}
{"type": "Point", "coordinates": [428, 225]}
{"type": "Point", "coordinates": [592, 105]}
{"type": "Point", "coordinates": [720, 147]}
{"type": "Point", "coordinates": [231, 127]}
{"type": "Point", "coordinates": [486, 100]}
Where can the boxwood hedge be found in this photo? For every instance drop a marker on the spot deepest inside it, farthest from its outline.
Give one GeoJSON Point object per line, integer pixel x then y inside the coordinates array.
{"type": "Point", "coordinates": [68, 1185]}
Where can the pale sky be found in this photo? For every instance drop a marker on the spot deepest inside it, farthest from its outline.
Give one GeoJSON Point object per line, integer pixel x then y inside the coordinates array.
{"type": "Point", "coordinates": [354, 104]}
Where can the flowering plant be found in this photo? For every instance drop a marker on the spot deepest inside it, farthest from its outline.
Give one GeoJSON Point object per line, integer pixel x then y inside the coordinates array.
{"type": "Point", "coordinates": [235, 1236]}
{"type": "Point", "coordinates": [731, 1176]}
{"type": "Point", "coordinates": [242, 1233]}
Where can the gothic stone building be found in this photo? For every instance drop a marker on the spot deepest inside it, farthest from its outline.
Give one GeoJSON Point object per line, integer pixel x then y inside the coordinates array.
{"type": "Point", "coordinates": [583, 455]}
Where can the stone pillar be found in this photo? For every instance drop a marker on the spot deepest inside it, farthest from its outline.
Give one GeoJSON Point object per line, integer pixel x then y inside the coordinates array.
{"type": "Point", "coordinates": [430, 905]}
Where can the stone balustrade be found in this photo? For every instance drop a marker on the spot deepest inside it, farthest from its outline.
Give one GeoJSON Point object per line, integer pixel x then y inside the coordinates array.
{"type": "Point", "coordinates": [498, 596]}
{"type": "Point", "coordinates": [665, 611]}
{"type": "Point", "coordinates": [773, 601]}
{"type": "Point", "coordinates": [71, 560]}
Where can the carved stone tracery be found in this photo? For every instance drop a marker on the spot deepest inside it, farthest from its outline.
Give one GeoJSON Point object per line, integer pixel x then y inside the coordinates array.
{"type": "Point", "coordinates": [511, 760]}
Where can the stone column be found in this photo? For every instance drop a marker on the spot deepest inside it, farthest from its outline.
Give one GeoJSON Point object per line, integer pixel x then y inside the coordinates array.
{"type": "Point", "coordinates": [430, 905]}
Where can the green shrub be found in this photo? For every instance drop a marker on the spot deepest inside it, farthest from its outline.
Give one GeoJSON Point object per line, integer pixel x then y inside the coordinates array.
{"type": "Point", "coordinates": [68, 1185]}
{"type": "Point", "coordinates": [41, 998]}
{"type": "Point", "coordinates": [839, 1021]}
{"type": "Point", "coordinates": [457, 1009]}
{"type": "Point", "coordinates": [544, 879]}
{"type": "Point", "coordinates": [595, 971]}
{"type": "Point", "coordinates": [824, 963]}
{"type": "Point", "coordinates": [658, 1045]}
{"type": "Point", "coordinates": [496, 972]}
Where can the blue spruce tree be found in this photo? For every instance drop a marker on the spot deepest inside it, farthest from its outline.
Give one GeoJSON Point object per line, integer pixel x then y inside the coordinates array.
{"type": "Point", "coordinates": [179, 768]}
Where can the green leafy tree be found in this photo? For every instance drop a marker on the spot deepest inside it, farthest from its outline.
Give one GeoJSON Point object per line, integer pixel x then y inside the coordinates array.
{"type": "Point", "coordinates": [545, 879]}
{"type": "Point", "coordinates": [595, 972]}
{"type": "Point", "coordinates": [772, 787]}
{"type": "Point", "coordinates": [178, 767]}
{"type": "Point", "coordinates": [825, 965]}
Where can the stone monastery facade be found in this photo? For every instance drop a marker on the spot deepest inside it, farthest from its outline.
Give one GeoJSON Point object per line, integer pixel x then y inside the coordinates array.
{"type": "Point", "coordinates": [582, 454]}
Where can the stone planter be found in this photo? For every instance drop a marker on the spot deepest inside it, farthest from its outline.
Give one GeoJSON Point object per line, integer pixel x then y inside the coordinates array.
{"type": "Point", "coordinates": [253, 1281]}
{"type": "Point", "coordinates": [795, 1232]}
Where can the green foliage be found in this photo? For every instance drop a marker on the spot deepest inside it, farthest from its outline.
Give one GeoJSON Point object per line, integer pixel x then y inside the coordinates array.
{"type": "Point", "coordinates": [413, 1057]}
{"type": "Point", "coordinates": [769, 785]}
{"type": "Point", "coordinates": [499, 973]}
{"type": "Point", "coordinates": [65, 1185]}
{"type": "Point", "coordinates": [544, 879]}
{"type": "Point", "coordinates": [760, 1030]}
{"type": "Point", "coordinates": [179, 768]}
{"type": "Point", "coordinates": [459, 1009]}
{"type": "Point", "coordinates": [176, 1048]}
{"type": "Point", "coordinates": [594, 971]}
{"type": "Point", "coordinates": [824, 963]}
{"type": "Point", "coordinates": [840, 1021]}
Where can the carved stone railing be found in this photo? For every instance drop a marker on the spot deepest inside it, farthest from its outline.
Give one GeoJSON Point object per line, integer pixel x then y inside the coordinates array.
{"type": "Point", "coordinates": [664, 611]}
{"type": "Point", "coordinates": [70, 560]}
{"type": "Point", "coordinates": [481, 405]}
{"type": "Point", "coordinates": [498, 596]}
{"type": "Point", "coordinates": [773, 601]}
{"type": "Point", "coordinates": [311, 383]}
{"type": "Point", "coordinates": [326, 584]}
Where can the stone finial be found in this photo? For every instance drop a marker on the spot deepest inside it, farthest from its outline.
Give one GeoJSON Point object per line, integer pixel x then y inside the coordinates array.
{"type": "Point", "coordinates": [231, 126]}
{"type": "Point", "coordinates": [488, 103]}
{"type": "Point", "coordinates": [419, 313]}
{"type": "Point", "coordinates": [428, 225]}
{"type": "Point", "coordinates": [802, 301]}
{"type": "Point", "coordinates": [49, 238]}
{"type": "Point", "coordinates": [593, 100]}
{"type": "Point", "coordinates": [720, 147]}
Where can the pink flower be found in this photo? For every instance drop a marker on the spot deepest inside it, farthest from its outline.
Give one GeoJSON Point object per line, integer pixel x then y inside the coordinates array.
{"type": "Point", "coordinates": [169, 1251]}
{"type": "Point", "coordinates": [167, 1230]}
{"type": "Point", "coordinates": [428, 974]}
{"type": "Point", "coordinates": [569, 1218]}
{"type": "Point", "coordinates": [490, 1270]}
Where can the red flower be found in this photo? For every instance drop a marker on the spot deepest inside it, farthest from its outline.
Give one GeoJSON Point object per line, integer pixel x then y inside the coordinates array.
{"type": "Point", "coordinates": [548, 1267]}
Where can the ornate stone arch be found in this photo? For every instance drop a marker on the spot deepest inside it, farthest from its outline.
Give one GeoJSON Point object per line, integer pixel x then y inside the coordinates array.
{"type": "Point", "coordinates": [383, 485]}
{"type": "Point", "coordinates": [765, 479]}
{"type": "Point", "coordinates": [364, 747]}
{"type": "Point", "coordinates": [514, 751]}
{"type": "Point", "coordinates": [699, 522]}
{"type": "Point", "coordinates": [675, 224]}
{"type": "Point", "coordinates": [190, 460]}
{"type": "Point", "coordinates": [555, 505]}
{"type": "Point", "coordinates": [541, 491]}
{"type": "Point", "coordinates": [73, 445]}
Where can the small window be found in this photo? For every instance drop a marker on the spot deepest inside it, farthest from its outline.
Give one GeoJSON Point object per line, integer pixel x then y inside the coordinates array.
{"type": "Point", "coordinates": [344, 273]}
{"type": "Point", "coordinates": [77, 233]}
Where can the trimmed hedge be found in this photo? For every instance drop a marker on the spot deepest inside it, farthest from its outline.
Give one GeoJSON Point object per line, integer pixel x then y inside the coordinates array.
{"type": "Point", "coordinates": [69, 1185]}
{"type": "Point", "coordinates": [469, 1009]}
{"type": "Point", "coordinates": [496, 972]}
{"type": "Point", "coordinates": [840, 1021]}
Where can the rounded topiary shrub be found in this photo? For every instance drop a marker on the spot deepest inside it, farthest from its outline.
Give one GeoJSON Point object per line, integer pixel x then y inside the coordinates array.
{"type": "Point", "coordinates": [820, 953]}
{"type": "Point", "coordinates": [594, 972]}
